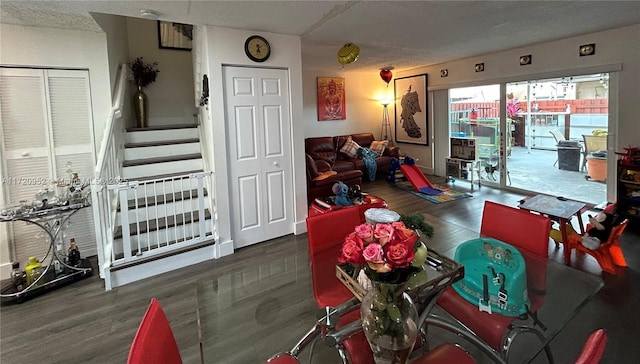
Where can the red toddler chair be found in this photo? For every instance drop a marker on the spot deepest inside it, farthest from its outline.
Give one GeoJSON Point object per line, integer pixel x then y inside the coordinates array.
{"type": "Point", "coordinates": [608, 254]}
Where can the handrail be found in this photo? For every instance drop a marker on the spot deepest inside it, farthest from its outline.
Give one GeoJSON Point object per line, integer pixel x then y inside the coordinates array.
{"type": "Point", "coordinates": [114, 114]}
{"type": "Point", "coordinates": [108, 171]}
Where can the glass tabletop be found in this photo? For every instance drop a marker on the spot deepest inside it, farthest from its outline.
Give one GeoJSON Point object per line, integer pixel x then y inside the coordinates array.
{"type": "Point", "coordinates": [251, 312]}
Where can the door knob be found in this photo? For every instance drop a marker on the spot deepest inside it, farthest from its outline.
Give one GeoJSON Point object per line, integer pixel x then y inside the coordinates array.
{"type": "Point", "coordinates": [275, 164]}
{"type": "Point", "coordinates": [25, 154]}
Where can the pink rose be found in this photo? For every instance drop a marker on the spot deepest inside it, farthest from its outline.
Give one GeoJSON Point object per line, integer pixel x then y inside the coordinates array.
{"type": "Point", "coordinates": [373, 253]}
{"type": "Point", "coordinates": [365, 232]}
{"type": "Point", "coordinates": [352, 251]}
{"type": "Point", "coordinates": [384, 233]}
{"type": "Point", "coordinates": [399, 253]}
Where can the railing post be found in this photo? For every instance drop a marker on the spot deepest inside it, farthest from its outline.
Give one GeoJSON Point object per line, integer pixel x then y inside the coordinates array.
{"type": "Point", "coordinates": [201, 217]}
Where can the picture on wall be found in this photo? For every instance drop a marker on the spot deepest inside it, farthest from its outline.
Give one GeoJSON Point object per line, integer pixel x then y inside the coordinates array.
{"type": "Point", "coordinates": [175, 35]}
{"type": "Point", "coordinates": [331, 99]}
{"type": "Point", "coordinates": [411, 109]}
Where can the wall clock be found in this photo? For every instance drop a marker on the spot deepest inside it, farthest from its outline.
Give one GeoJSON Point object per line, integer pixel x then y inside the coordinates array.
{"type": "Point", "coordinates": [257, 48]}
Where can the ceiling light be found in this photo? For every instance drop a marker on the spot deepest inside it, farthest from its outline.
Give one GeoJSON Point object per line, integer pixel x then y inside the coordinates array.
{"type": "Point", "coordinates": [149, 14]}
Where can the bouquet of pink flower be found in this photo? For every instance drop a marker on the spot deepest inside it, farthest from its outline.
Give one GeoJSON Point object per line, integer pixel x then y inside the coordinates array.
{"type": "Point", "coordinates": [388, 252]}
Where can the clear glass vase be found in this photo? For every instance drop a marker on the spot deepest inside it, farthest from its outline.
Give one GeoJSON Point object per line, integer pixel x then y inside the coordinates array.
{"type": "Point", "coordinates": [389, 321]}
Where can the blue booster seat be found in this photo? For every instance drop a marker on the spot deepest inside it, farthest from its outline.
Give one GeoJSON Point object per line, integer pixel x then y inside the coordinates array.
{"type": "Point", "coordinates": [494, 276]}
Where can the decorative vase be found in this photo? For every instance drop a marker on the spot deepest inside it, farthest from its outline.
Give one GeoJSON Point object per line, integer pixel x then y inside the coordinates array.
{"type": "Point", "coordinates": [389, 321]}
{"type": "Point", "coordinates": [140, 107]}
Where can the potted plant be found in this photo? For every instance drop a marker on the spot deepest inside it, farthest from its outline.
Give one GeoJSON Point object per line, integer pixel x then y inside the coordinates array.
{"type": "Point", "coordinates": [144, 74]}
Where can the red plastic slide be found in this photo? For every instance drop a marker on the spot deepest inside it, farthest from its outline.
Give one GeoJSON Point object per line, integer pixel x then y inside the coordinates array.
{"type": "Point", "coordinates": [418, 180]}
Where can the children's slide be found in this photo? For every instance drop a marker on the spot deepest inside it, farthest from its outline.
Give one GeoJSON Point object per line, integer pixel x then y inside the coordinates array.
{"type": "Point", "coordinates": [418, 180]}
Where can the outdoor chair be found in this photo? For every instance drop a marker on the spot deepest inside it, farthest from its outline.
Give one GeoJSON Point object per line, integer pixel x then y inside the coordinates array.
{"type": "Point", "coordinates": [608, 254]}
{"type": "Point", "coordinates": [559, 137]}
{"type": "Point", "coordinates": [592, 143]}
{"type": "Point", "coordinates": [525, 231]}
{"type": "Point", "coordinates": [154, 341]}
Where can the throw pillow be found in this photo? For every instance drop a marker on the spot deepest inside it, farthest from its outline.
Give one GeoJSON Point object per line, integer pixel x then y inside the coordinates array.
{"type": "Point", "coordinates": [378, 146]}
{"type": "Point", "coordinates": [350, 148]}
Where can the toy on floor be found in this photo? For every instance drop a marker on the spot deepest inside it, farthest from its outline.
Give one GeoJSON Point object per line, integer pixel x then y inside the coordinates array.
{"type": "Point", "coordinates": [598, 229]}
{"type": "Point", "coordinates": [342, 194]}
{"type": "Point", "coordinates": [395, 165]}
{"type": "Point", "coordinates": [418, 180]}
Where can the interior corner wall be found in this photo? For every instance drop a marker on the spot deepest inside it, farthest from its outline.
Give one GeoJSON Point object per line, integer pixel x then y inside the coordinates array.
{"type": "Point", "coordinates": [66, 49]}
{"type": "Point", "coordinates": [225, 47]}
{"type": "Point", "coordinates": [170, 98]}
{"type": "Point", "coordinates": [115, 28]}
{"type": "Point", "coordinates": [615, 48]}
{"type": "Point", "coordinates": [363, 92]}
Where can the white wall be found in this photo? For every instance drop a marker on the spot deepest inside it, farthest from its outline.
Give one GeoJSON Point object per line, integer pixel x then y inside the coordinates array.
{"type": "Point", "coordinates": [225, 47]}
{"type": "Point", "coordinates": [62, 48]}
{"type": "Point", "coordinates": [364, 111]}
{"type": "Point", "coordinates": [170, 98]}
{"type": "Point", "coordinates": [115, 28]}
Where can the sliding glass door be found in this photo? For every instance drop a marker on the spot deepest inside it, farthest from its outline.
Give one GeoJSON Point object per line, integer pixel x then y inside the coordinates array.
{"type": "Point", "coordinates": [550, 138]}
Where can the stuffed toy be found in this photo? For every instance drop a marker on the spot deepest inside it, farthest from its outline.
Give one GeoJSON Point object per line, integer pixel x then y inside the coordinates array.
{"type": "Point", "coordinates": [355, 195]}
{"type": "Point", "coordinates": [342, 194]}
{"type": "Point", "coordinates": [395, 165]}
{"type": "Point", "coordinates": [598, 229]}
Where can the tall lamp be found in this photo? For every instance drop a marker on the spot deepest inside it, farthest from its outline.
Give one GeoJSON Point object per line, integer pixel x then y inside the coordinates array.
{"type": "Point", "coordinates": [385, 133]}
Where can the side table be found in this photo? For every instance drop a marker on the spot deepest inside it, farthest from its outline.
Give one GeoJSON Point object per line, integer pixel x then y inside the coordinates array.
{"type": "Point", "coordinates": [51, 219]}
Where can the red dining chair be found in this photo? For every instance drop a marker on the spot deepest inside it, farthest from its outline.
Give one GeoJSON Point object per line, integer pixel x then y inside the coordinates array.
{"type": "Point", "coordinates": [154, 342]}
{"type": "Point", "coordinates": [608, 254]}
{"type": "Point", "coordinates": [593, 348]}
{"type": "Point", "coordinates": [525, 231]}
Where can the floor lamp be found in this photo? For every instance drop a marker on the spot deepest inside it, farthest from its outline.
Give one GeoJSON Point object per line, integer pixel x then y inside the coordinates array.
{"type": "Point", "coordinates": [385, 133]}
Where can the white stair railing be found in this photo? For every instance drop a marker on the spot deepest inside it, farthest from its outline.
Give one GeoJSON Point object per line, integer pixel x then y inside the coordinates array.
{"type": "Point", "coordinates": [162, 215]}
{"type": "Point", "coordinates": [108, 171]}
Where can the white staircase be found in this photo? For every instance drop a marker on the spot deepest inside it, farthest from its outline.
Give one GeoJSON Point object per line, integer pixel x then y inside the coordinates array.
{"type": "Point", "coordinates": [164, 219]}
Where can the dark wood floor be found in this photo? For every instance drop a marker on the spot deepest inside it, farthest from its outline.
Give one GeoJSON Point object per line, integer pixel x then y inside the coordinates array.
{"type": "Point", "coordinates": [81, 323]}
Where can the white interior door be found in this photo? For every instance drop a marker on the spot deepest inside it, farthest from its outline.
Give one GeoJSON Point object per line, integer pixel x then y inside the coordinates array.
{"type": "Point", "coordinates": [260, 176]}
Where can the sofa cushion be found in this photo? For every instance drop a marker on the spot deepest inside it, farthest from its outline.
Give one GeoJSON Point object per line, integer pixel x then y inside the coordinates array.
{"type": "Point", "coordinates": [321, 148]}
{"type": "Point", "coordinates": [379, 146]}
{"type": "Point", "coordinates": [350, 148]}
{"type": "Point", "coordinates": [363, 139]}
{"type": "Point", "coordinates": [312, 168]}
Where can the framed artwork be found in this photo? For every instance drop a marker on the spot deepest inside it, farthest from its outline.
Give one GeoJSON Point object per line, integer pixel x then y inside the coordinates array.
{"type": "Point", "coordinates": [410, 95]}
{"type": "Point", "coordinates": [175, 35]}
{"type": "Point", "coordinates": [331, 99]}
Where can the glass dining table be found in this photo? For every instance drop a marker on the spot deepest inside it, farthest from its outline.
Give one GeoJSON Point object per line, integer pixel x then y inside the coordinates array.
{"type": "Point", "coordinates": [251, 312]}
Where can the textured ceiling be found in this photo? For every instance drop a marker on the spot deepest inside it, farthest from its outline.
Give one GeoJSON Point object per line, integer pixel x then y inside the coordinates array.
{"type": "Point", "coordinates": [404, 34]}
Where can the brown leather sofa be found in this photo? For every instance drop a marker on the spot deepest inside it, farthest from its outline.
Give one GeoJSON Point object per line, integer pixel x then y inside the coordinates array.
{"type": "Point", "coordinates": [324, 158]}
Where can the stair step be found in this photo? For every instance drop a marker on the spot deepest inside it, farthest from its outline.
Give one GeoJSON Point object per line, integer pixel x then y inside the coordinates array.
{"type": "Point", "coordinates": [161, 143]}
{"type": "Point", "coordinates": [161, 256]}
{"type": "Point", "coordinates": [142, 162]}
{"type": "Point", "coordinates": [164, 127]}
{"type": "Point", "coordinates": [162, 223]}
{"type": "Point", "coordinates": [163, 199]}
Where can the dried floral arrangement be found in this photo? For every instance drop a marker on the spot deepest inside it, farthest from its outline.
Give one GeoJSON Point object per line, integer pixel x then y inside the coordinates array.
{"type": "Point", "coordinates": [144, 73]}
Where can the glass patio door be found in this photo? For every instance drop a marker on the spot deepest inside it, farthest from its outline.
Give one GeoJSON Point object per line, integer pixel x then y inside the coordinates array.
{"type": "Point", "coordinates": [474, 114]}
{"type": "Point", "coordinates": [552, 123]}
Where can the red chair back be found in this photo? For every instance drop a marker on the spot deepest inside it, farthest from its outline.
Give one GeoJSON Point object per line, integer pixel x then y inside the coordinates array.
{"type": "Point", "coordinates": [520, 228]}
{"type": "Point", "coordinates": [154, 342]}
{"type": "Point", "coordinates": [326, 232]}
{"type": "Point", "coordinates": [593, 348]}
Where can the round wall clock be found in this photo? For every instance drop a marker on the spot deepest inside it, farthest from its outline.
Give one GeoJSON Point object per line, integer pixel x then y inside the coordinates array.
{"type": "Point", "coordinates": [257, 48]}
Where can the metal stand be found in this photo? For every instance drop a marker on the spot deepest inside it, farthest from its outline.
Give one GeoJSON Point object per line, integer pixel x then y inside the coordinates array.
{"type": "Point", "coordinates": [51, 220]}
{"type": "Point", "coordinates": [385, 133]}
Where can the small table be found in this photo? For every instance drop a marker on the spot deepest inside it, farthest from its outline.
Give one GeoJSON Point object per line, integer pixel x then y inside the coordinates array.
{"type": "Point", "coordinates": [558, 209]}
